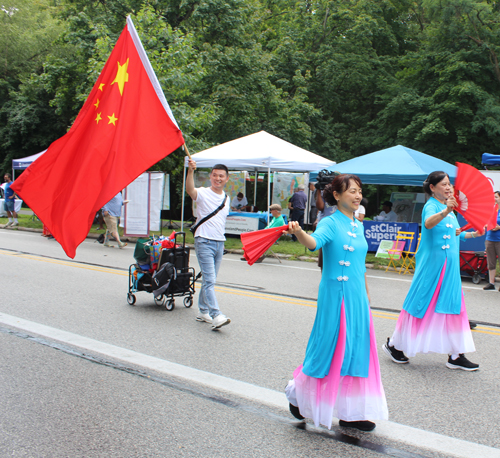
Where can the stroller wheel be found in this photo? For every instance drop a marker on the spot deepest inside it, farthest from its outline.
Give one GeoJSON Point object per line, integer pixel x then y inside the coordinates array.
{"type": "Point", "coordinates": [188, 301]}
{"type": "Point", "coordinates": [476, 279]}
{"type": "Point", "coordinates": [130, 298]}
{"type": "Point", "coordinates": [160, 300]}
{"type": "Point", "coordinates": [170, 305]}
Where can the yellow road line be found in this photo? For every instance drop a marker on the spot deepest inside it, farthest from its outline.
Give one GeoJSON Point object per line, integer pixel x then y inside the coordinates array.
{"type": "Point", "coordinates": [61, 262]}
{"type": "Point", "coordinates": [226, 290]}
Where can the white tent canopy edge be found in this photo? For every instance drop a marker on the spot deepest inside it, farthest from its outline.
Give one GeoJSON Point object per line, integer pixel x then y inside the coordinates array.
{"type": "Point", "coordinates": [257, 152]}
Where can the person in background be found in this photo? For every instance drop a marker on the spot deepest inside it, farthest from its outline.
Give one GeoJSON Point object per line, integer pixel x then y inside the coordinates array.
{"type": "Point", "coordinates": [209, 239]}
{"type": "Point", "coordinates": [387, 214]}
{"type": "Point", "coordinates": [361, 211]}
{"type": "Point", "coordinates": [493, 248]}
{"type": "Point", "coordinates": [9, 204]}
{"type": "Point", "coordinates": [239, 202]}
{"type": "Point", "coordinates": [297, 206]}
{"type": "Point", "coordinates": [313, 212]}
{"type": "Point", "coordinates": [324, 210]}
{"type": "Point", "coordinates": [111, 213]}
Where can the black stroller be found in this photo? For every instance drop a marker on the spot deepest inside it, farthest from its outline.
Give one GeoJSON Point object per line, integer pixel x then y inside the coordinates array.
{"type": "Point", "coordinates": [172, 277]}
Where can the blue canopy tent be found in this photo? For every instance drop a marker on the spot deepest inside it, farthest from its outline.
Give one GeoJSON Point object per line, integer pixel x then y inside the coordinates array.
{"type": "Point", "coordinates": [490, 159]}
{"type": "Point", "coordinates": [398, 165]}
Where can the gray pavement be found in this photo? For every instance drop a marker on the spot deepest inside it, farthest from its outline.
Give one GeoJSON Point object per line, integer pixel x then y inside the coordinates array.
{"type": "Point", "coordinates": [272, 310]}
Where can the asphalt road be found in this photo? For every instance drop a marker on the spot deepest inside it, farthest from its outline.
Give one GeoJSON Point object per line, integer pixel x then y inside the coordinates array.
{"type": "Point", "coordinates": [84, 374]}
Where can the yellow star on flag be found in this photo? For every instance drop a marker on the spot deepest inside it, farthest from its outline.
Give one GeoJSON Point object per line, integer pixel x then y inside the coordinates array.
{"type": "Point", "coordinates": [98, 118]}
{"type": "Point", "coordinates": [96, 104]}
{"type": "Point", "coordinates": [101, 86]}
{"type": "Point", "coordinates": [112, 119]}
{"type": "Point", "coordinates": [121, 76]}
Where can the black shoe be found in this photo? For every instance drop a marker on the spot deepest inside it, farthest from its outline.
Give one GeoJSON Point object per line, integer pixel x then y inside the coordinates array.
{"type": "Point", "coordinates": [364, 425]}
{"type": "Point", "coordinates": [489, 286]}
{"type": "Point", "coordinates": [396, 355]}
{"type": "Point", "coordinates": [461, 363]}
{"type": "Point", "coordinates": [295, 412]}
{"type": "Point", "coordinates": [242, 259]}
{"type": "Point", "coordinates": [472, 325]}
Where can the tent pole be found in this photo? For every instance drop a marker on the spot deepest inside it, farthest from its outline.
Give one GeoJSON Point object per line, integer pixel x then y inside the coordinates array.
{"type": "Point", "coordinates": [268, 191]}
{"type": "Point", "coordinates": [255, 188]}
{"type": "Point", "coordinates": [183, 195]}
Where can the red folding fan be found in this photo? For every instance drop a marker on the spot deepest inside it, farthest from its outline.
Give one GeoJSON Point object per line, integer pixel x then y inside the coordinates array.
{"type": "Point", "coordinates": [474, 196]}
{"type": "Point", "coordinates": [256, 243]}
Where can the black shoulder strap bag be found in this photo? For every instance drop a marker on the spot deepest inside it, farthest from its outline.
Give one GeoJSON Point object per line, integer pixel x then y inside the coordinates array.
{"type": "Point", "coordinates": [217, 210]}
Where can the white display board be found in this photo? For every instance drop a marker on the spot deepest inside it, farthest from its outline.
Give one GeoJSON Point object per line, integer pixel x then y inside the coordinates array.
{"type": "Point", "coordinates": [166, 193]}
{"type": "Point", "coordinates": [494, 177]}
{"type": "Point", "coordinates": [284, 184]}
{"type": "Point", "coordinates": [146, 196]}
{"type": "Point", "coordinates": [238, 224]}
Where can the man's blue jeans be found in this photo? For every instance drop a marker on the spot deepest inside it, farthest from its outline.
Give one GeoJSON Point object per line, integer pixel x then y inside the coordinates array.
{"type": "Point", "coordinates": [209, 254]}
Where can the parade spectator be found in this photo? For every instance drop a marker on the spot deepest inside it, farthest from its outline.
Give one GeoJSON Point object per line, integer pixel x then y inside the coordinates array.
{"type": "Point", "coordinates": [313, 212]}
{"type": "Point", "coordinates": [387, 214]}
{"type": "Point", "coordinates": [111, 213]}
{"type": "Point", "coordinates": [493, 248]}
{"type": "Point", "coordinates": [434, 318]}
{"type": "Point", "coordinates": [297, 205]}
{"type": "Point", "coordinates": [239, 203]}
{"type": "Point", "coordinates": [340, 375]}
{"type": "Point", "coordinates": [9, 204]}
{"type": "Point", "coordinates": [361, 211]}
{"type": "Point", "coordinates": [212, 208]}
{"type": "Point", "coordinates": [324, 210]}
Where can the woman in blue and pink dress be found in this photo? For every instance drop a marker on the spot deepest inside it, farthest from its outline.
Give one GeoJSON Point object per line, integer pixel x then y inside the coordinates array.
{"type": "Point", "coordinates": [340, 375]}
{"type": "Point", "coordinates": [434, 319]}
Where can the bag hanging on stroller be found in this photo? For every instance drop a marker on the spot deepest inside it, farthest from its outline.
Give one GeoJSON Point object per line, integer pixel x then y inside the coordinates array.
{"type": "Point", "coordinates": [162, 278]}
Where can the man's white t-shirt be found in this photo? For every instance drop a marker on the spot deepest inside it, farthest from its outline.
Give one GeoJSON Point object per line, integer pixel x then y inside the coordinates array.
{"type": "Point", "coordinates": [389, 217]}
{"type": "Point", "coordinates": [241, 203]}
{"type": "Point", "coordinates": [206, 202]}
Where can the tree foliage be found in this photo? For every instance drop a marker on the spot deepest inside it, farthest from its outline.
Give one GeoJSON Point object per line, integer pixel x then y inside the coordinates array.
{"type": "Point", "coordinates": [341, 78]}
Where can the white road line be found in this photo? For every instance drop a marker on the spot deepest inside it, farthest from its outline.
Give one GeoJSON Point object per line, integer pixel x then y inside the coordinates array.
{"type": "Point", "coordinates": [389, 430]}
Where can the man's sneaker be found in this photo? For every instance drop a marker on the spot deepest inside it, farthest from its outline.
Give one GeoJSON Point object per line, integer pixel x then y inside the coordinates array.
{"type": "Point", "coordinates": [15, 223]}
{"type": "Point", "coordinates": [363, 425]}
{"type": "Point", "coordinates": [489, 286]}
{"type": "Point", "coordinates": [396, 355]}
{"type": "Point", "coordinates": [205, 317]}
{"type": "Point", "coordinates": [219, 321]}
{"type": "Point", "coordinates": [10, 223]}
{"type": "Point", "coordinates": [461, 363]}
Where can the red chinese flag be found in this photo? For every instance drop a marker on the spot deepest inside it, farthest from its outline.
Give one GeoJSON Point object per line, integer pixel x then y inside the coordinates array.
{"type": "Point", "coordinates": [124, 128]}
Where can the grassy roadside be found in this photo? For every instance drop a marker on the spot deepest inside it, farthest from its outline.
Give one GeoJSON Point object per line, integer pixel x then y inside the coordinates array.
{"type": "Point", "coordinates": [285, 246]}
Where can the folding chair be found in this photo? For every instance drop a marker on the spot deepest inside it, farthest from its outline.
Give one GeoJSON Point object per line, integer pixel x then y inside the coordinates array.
{"type": "Point", "coordinates": [396, 252]}
{"type": "Point", "coordinates": [409, 258]}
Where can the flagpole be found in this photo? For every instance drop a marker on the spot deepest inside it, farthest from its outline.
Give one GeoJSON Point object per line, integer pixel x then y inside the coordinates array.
{"type": "Point", "coordinates": [185, 148]}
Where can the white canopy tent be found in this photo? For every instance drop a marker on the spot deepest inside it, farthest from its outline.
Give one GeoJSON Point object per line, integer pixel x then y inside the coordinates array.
{"type": "Point", "coordinates": [258, 152]}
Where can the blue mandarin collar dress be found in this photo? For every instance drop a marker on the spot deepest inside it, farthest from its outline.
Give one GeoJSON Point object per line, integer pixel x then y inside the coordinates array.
{"type": "Point", "coordinates": [343, 280]}
{"type": "Point", "coordinates": [437, 246]}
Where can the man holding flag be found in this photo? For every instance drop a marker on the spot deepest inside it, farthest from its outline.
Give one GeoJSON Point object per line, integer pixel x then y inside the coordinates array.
{"type": "Point", "coordinates": [124, 127]}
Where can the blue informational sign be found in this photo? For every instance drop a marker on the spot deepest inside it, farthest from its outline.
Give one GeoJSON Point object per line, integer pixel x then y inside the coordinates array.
{"type": "Point", "coordinates": [376, 231]}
